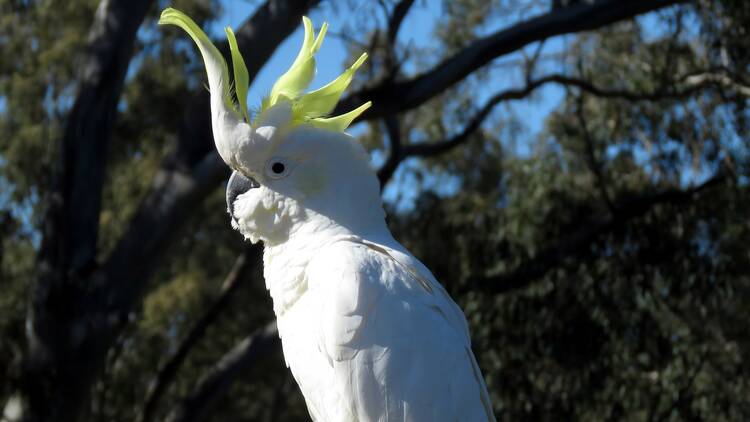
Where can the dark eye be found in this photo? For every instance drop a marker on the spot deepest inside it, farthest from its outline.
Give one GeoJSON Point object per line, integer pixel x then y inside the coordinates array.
{"type": "Point", "coordinates": [278, 167]}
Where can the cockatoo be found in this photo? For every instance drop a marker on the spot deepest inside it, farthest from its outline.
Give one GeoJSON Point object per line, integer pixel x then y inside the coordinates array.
{"type": "Point", "coordinates": [367, 331]}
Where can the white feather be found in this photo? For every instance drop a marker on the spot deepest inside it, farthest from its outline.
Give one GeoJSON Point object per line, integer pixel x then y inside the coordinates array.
{"type": "Point", "coordinates": [370, 341]}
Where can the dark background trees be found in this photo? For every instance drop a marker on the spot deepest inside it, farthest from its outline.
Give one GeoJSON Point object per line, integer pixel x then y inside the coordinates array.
{"type": "Point", "coordinates": [600, 250]}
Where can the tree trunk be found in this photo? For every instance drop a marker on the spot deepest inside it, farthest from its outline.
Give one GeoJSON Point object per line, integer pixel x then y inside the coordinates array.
{"type": "Point", "coordinates": [62, 357]}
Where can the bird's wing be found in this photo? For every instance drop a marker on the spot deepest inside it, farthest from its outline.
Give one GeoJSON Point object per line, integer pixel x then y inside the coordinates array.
{"type": "Point", "coordinates": [397, 344]}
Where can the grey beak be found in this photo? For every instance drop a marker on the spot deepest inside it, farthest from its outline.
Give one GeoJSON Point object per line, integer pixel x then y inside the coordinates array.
{"type": "Point", "coordinates": [237, 185]}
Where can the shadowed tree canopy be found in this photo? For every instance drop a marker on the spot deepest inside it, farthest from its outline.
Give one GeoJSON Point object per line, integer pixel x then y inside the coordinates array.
{"type": "Point", "coordinates": [577, 174]}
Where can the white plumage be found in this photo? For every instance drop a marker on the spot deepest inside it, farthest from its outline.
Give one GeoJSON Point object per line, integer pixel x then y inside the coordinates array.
{"type": "Point", "coordinates": [367, 331]}
{"type": "Point", "coordinates": [376, 338]}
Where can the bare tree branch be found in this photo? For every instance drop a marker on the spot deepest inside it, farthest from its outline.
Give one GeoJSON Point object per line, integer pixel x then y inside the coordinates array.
{"type": "Point", "coordinates": [576, 244]}
{"type": "Point", "coordinates": [430, 149]}
{"type": "Point", "coordinates": [395, 19]}
{"type": "Point", "coordinates": [392, 97]}
{"type": "Point", "coordinates": [168, 371]}
{"type": "Point", "coordinates": [435, 148]}
{"type": "Point", "coordinates": [399, 152]}
{"type": "Point", "coordinates": [678, 88]}
{"type": "Point", "coordinates": [400, 10]}
{"type": "Point", "coordinates": [218, 379]}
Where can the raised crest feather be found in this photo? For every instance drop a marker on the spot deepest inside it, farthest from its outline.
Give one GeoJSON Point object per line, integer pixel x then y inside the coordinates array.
{"type": "Point", "coordinates": [216, 66]}
{"type": "Point", "coordinates": [241, 77]}
{"type": "Point", "coordinates": [314, 107]}
{"type": "Point", "coordinates": [311, 108]}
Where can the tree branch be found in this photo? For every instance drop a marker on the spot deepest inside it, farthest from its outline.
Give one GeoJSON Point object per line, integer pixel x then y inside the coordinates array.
{"type": "Point", "coordinates": [89, 126]}
{"type": "Point", "coordinates": [395, 153]}
{"type": "Point", "coordinates": [400, 11]}
{"type": "Point", "coordinates": [395, 19]}
{"type": "Point", "coordinates": [165, 208]}
{"type": "Point", "coordinates": [430, 149]}
{"type": "Point", "coordinates": [399, 152]}
{"type": "Point", "coordinates": [578, 243]}
{"type": "Point", "coordinates": [168, 371]}
{"type": "Point", "coordinates": [718, 78]}
{"type": "Point", "coordinates": [392, 97]}
{"type": "Point", "coordinates": [218, 379]}
{"type": "Point", "coordinates": [668, 91]}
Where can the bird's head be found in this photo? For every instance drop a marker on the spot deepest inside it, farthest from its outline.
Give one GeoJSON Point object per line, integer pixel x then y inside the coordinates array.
{"type": "Point", "coordinates": [293, 166]}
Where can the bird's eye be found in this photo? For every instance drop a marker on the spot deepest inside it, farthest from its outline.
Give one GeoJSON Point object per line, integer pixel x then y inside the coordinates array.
{"type": "Point", "coordinates": [276, 168]}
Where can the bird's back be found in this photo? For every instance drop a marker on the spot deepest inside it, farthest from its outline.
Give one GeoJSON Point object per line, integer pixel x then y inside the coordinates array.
{"type": "Point", "coordinates": [376, 338]}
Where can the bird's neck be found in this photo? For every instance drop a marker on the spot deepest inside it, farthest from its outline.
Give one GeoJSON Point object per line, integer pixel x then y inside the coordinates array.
{"type": "Point", "coordinates": [285, 262]}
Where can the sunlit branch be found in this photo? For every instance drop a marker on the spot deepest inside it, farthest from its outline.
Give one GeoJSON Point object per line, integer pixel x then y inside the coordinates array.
{"type": "Point", "coordinates": [718, 78]}
{"type": "Point", "coordinates": [673, 90]}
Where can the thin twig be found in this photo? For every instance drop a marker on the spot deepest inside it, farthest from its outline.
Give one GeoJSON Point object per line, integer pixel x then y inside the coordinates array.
{"type": "Point", "coordinates": [595, 166]}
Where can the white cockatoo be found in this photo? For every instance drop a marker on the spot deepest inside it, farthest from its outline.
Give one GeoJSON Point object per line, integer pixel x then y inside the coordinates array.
{"type": "Point", "coordinates": [366, 330]}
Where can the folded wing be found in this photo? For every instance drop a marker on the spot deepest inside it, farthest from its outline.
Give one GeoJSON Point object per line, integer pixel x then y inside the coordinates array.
{"type": "Point", "coordinates": [397, 346]}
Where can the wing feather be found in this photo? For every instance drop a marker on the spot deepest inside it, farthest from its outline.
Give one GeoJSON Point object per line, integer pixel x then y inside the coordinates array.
{"type": "Point", "coordinates": [397, 346]}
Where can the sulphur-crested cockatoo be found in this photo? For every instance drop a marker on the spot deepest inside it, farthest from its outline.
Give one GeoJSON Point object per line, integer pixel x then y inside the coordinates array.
{"type": "Point", "coordinates": [367, 331]}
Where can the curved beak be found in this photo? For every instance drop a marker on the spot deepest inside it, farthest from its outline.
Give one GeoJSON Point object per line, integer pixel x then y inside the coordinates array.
{"type": "Point", "coordinates": [237, 185]}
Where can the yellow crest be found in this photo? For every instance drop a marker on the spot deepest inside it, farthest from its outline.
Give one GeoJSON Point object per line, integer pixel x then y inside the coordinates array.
{"type": "Point", "coordinates": [311, 108]}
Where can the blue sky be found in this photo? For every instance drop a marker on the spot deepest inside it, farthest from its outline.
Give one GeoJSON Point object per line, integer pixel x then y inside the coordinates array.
{"type": "Point", "coordinates": [416, 30]}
